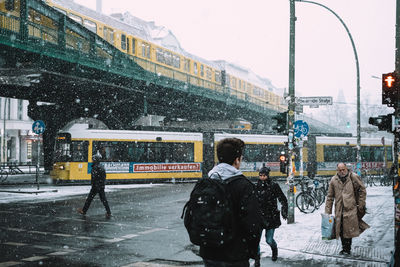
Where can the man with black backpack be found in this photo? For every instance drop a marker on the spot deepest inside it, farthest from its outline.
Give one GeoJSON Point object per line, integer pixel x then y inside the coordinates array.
{"type": "Point", "coordinates": [223, 215]}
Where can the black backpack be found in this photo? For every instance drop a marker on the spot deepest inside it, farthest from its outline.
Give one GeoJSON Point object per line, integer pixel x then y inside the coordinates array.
{"type": "Point", "coordinates": [208, 215]}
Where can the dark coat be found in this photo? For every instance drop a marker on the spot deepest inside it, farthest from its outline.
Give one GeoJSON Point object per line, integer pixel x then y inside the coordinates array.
{"type": "Point", "coordinates": [98, 175]}
{"type": "Point", "coordinates": [249, 227]}
{"type": "Point", "coordinates": [268, 193]}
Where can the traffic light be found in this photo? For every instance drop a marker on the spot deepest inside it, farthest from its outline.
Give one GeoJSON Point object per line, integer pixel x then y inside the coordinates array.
{"type": "Point", "coordinates": [283, 162]}
{"type": "Point", "coordinates": [384, 122]}
{"type": "Point", "coordinates": [281, 122]}
{"type": "Point", "coordinates": [390, 88]}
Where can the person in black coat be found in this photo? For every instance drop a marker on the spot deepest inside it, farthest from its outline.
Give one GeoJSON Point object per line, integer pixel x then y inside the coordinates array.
{"type": "Point", "coordinates": [98, 182]}
{"type": "Point", "coordinates": [268, 193]}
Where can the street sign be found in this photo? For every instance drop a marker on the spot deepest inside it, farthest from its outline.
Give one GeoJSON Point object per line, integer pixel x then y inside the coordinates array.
{"type": "Point", "coordinates": [38, 127]}
{"type": "Point", "coordinates": [301, 128]}
{"type": "Point", "coordinates": [315, 100]}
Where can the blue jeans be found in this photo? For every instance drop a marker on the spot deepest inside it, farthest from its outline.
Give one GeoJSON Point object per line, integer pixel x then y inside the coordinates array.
{"type": "Point", "coordinates": [269, 238]}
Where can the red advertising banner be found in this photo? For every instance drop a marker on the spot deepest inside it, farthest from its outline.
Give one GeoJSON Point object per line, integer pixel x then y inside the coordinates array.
{"type": "Point", "coordinates": [167, 167]}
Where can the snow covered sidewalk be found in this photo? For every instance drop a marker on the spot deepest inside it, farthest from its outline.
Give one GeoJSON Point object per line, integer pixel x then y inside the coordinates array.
{"type": "Point", "coordinates": [302, 240]}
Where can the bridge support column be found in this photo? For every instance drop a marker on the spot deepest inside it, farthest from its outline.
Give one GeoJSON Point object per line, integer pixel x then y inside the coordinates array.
{"type": "Point", "coordinates": [54, 118]}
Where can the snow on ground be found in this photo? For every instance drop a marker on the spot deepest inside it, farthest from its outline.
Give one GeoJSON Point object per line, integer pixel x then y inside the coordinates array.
{"type": "Point", "coordinates": [33, 194]}
{"type": "Point", "coordinates": [294, 238]}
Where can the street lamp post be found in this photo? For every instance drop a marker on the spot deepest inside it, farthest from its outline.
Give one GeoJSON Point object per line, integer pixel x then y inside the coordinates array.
{"type": "Point", "coordinates": [358, 166]}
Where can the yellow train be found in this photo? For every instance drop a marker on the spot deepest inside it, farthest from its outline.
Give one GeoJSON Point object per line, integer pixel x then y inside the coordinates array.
{"type": "Point", "coordinates": [217, 76]}
{"type": "Point", "coordinates": [156, 155]}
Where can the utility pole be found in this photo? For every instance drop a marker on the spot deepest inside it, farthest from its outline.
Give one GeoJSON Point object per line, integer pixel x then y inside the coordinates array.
{"type": "Point", "coordinates": [396, 193]}
{"type": "Point", "coordinates": [290, 178]}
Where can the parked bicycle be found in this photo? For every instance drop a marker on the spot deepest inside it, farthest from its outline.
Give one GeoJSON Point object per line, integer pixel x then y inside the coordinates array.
{"type": "Point", "coordinates": [367, 178]}
{"type": "Point", "coordinates": [3, 175]}
{"type": "Point", "coordinates": [309, 199]}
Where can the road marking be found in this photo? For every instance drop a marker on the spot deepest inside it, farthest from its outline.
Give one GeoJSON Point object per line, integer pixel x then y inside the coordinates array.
{"type": "Point", "coordinates": [35, 258]}
{"type": "Point", "coordinates": [15, 244]}
{"type": "Point", "coordinates": [9, 263]}
{"type": "Point", "coordinates": [114, 240]}
{"type": "Point", "coordinates": [152, 231]}
{"type": "Point", "coordinates": [63, 235]}
{"type": "Point", "coordinates": [129, 236]}
{"type": "Point", "coordinates": [58, 253]}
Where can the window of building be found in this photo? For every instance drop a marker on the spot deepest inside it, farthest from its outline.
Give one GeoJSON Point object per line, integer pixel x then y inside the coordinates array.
{"type": "Point", "coordinates": [145, 50]}
{"type": "Point", "coordinates": [217, 76]}
{"type": "Point", "coordinates": [20, 109]}
{"type": "Point", "coordinates": [196, 71]}
{"type": "Point", "coordinates": [186, 64]}
{"type": "Point", "coordinates": [133, 45]}
{"type": "Point", "coordinates": [10, 5]}
{"type": "Point", "coordinates": [108, 34]}
{"type": "Point", "coordinates": [201, 70]}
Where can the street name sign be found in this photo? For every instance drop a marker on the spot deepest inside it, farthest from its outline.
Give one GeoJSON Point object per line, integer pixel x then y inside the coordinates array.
{"type": "Point", "coordinates": [315, 100]}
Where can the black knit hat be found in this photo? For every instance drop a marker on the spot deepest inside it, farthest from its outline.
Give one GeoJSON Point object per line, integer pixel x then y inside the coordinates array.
{"type": "Point", "coordinates": [264, 170]}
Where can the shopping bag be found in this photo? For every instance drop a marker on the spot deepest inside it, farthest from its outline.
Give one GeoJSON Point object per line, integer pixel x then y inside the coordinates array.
{"type": "Point", "coordinates": [327, 226]}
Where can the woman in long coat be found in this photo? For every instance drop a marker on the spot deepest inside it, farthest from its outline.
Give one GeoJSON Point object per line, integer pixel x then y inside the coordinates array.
{"type": "Point", "coordinates": [349, 193]}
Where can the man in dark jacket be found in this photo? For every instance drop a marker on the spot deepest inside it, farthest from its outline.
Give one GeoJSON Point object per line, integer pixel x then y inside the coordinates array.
{"type": "Point", "coordinates": [245, 208]}
{"type": "Point", "coordinates": [98, 182]}
{"type": "Point", "coordinates": [268, 193]}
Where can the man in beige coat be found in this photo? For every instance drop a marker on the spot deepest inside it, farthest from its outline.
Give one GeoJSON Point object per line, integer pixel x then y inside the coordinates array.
{"type": "Point", "coordinates": [349, 193]}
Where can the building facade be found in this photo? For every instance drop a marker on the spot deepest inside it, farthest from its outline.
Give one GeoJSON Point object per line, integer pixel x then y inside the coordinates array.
{"type": "Point", "coordinates": [18, 142]}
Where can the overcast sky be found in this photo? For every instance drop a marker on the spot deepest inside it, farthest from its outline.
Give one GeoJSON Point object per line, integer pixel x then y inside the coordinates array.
{"type": "Point", "coordinates": [255, 34]}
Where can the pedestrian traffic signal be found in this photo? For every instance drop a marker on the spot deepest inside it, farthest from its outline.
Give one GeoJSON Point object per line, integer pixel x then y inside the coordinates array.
{"type": "Point", "coordinates": [281, 122]}
{"type": "Point", "coordinates": [283, 162]}
{"type": "Point", "coordinates": [390, 88]}
{"type": "Point", "coordinates": [384, 122]}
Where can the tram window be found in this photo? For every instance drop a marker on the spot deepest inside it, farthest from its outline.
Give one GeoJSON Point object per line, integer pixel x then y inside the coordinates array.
{"type": "Point", "coordinates": [123, 42]}
{"type": "Point", "coordinates": [168, 58]}
{"type": "Point", "coordinates": [201, 70]}
{"type": "Point", "coordinates": [262, 153]}
{"type": "Point", "coordinates": [75, 18]}
{"type": "Point", "coordinates": [133, 45]}
{"type": "Point", "coordinates": [92, 26]}
{"type": "Point", "coordinates": [145, 50]}
{"type": "Point", "coordinates": [9, 5]}
{"type": "Point", "coordinates": [79, 151]}
{"type": "Point", "coordinates": [208, 73]}
{"type": "Point", "coordinates": [195, 68]}
{"type": "Point", "coordinates": [339, 154]}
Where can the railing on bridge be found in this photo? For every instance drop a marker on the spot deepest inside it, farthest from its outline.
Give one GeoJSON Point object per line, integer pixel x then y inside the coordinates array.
{"type": "Point", "coordinates": [38, 28]}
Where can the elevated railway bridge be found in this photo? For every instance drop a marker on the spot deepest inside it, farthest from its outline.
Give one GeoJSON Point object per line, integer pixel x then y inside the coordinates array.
{"type": "Point", "coordinates": [83, 75]}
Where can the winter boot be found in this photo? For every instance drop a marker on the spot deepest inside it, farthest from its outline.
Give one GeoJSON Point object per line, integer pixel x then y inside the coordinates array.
{"type": "Point", "coordinates": [257, 261]}
{"type": "Point", "coordinates": [274, 254]}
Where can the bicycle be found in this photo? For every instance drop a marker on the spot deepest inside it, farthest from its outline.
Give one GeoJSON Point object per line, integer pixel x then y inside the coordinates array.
{"type": "Point", "coordinates": [367, 178]}
{"type": "Point", "coordinates": [3, 175]}
{"type": "Point", "coordinates": [305, 202]}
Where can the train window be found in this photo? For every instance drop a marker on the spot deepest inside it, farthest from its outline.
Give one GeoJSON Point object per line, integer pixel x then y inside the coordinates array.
{"type": "Point", "coordinates": [123, 42]}
{"type": "Point", "coordinates": [186, 64]}
{"type": "Point", "coordinates": [133, 45]}
{"type": "Point", "coordinates": [177, 61]}
{"type": "Point", "coordinates": [75, 18]}
{"type": "Point", "coordinates": [9, 5]}
{"type": "Point", "coordinates": [160, 55]}
{"type": "Point", "coordinates": [92, 26]}
{"type": "Point", "coordinates": [128, 46]}
{"type": "Point", "coordinates": [60, 10]}
{"type": "Point", "coordinates": [145, 50]}
{"type": "Point", "coordinates": [108, 35]}
{"type": "Point", "coordinates": [208, 73]}
{"type": "Point", "coordinates": [201, 70]}
{"type": "Point", "coordinates": [217, 76]}
{"type": "Point", "coordinates": [79, 151]}
{"type": "Point", "coordinates": [196, 71]}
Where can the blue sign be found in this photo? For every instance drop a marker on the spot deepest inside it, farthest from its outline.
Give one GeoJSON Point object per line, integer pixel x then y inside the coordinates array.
{"type": "Point", "coordinates": [38, 127]}
{"type": "Point", "coordinates": [301, 128]}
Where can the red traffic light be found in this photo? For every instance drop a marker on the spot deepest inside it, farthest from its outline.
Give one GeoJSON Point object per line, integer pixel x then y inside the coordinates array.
{"type": "Point", "coordinates": [390, 87]}
{"type": "Point", "coordinates": [282, 158]}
